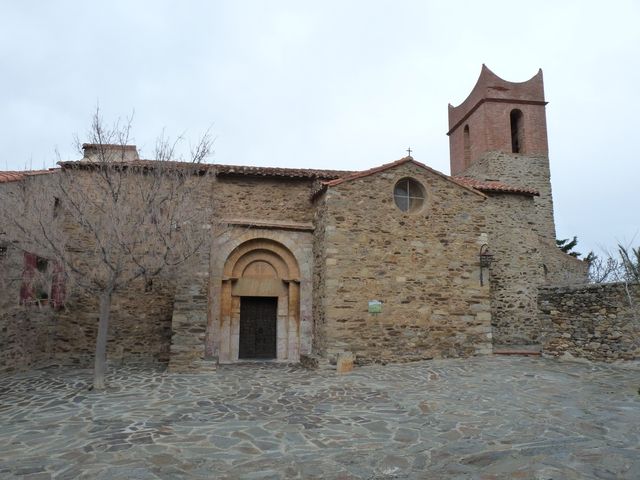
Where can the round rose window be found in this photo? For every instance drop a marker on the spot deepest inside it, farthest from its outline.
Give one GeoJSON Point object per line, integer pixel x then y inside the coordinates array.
{"type": "Point", "coordinates": [408, 195]}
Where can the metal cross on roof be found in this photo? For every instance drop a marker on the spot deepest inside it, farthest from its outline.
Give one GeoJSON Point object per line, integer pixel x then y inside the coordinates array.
{"type": "Point", "coordinates": [409, 151]}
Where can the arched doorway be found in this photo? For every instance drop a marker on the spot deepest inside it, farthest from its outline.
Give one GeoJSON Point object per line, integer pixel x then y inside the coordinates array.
{"type": "Point", "coordinates": [260, 303]}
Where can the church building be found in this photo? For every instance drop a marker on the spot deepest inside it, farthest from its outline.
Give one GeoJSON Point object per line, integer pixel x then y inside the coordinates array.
{"type": "Point", "coordinates": [392, 264]}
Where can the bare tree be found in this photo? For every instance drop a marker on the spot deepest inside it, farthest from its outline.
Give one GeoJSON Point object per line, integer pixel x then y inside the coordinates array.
{"type": "Point", "coordinates": [630, 263]}
{"type": "Point", "coordinates": [603, 269]}
{"type": "Point", "coordinates": [623, 267]}
{"type": "Point", "coordinates": [112, 219]}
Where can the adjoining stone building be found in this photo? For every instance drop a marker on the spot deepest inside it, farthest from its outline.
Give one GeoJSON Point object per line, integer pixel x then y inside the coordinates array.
{"type": "Point", "coordinates": [384, 263]}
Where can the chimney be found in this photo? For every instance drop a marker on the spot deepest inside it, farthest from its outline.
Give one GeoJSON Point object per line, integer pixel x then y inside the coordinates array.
{"type": "Point", "coordinates": [94, 152]}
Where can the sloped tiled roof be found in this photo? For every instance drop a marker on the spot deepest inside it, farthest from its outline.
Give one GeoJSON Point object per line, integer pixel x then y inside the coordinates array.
{"type": "Point", "coordinates": [15, 176]}
{"type": "Point", "coordinates": [280, 172]}
{"type": "Point", "coordinates": [495, 186]}
{"type": "Point", "coordinates": [85, 163]}
{"type": "Point", "coordinates": [387, 166]}
{"type": "Point", "coordinates": [327, 178]}
{"type": "Point", "coordinates": [218, 169]}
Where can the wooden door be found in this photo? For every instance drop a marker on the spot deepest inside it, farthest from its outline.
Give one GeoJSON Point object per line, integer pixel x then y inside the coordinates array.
{"type": "Point", "coordinates": [258, 327]}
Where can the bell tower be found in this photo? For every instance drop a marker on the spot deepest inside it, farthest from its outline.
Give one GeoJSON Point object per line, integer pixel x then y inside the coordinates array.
{"type": "Point", "coordinates": [499, 132]}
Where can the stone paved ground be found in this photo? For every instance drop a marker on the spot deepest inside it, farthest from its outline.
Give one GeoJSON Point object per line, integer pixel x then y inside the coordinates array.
{"type": "Point", "coordinates": [485, 418]}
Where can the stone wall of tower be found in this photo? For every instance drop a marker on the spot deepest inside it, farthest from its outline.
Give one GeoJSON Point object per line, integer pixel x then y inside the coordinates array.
{"type": "Point", "coordinates": [516, 271]}
{"type": "Point", "coordinates": [521, 170]}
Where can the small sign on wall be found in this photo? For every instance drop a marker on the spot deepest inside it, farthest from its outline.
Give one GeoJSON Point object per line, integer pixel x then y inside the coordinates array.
{"type": "Point", "coordinates": [375, 306]}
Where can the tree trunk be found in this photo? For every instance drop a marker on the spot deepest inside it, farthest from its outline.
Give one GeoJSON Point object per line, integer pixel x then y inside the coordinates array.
{"type": "Point", "coordinates": [101, 342]}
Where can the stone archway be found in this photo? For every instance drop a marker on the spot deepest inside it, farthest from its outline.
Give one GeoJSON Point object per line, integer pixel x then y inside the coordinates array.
{"type": "Point", "coordinates": [260, 268]}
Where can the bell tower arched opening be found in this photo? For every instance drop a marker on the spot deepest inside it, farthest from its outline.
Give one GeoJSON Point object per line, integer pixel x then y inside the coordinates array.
{"type": "Point", "coordinates": [467, 147]}
{"type": "Point", "coordinates": [517, 131]}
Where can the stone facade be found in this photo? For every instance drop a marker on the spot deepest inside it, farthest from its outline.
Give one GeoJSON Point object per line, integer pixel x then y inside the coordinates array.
{"type": "Point", "coordinates": [423, 267]}
{"type": "Point", "coordinates": [319, 245]}
{"type": "Point", "coordinates": [596, 322]}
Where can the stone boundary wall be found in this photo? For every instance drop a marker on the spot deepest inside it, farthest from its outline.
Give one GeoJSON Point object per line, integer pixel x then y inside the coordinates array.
{"type": "Point", "coordinates": [597, 322]}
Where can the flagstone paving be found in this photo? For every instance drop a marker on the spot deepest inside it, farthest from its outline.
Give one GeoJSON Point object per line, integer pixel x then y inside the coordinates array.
{"type": "Point", "coordinates": [485, 418]}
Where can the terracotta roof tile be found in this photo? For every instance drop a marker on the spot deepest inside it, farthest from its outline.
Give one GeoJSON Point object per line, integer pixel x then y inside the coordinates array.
{"type": "Point", "coordinates": [328, 178]}
{"type": "Point", "coordinates": [132, 163]}
{"type": "Point", "coordinates": [15, 176]}
{"type": "Point", "coordinates": [495, 186]}
{"type": "Point", "coordinates": [387, 166]}
{"type": "Point", "coordinates": [371, 171]}
{"type": "Point", "coordinates": [232, 169]}
{"type": "Point", "coordinates": [280, 172]}
{"type": "Point", "coordinates": [6, 177]}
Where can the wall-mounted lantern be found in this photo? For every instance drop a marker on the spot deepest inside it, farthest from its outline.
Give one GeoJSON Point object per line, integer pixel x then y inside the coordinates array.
{"type": "Point", "coordinates": [486, 258]}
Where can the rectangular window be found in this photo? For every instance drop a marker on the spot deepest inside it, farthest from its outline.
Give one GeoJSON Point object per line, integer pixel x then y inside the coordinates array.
{"type": "Point", "coordinates": [42, 283]}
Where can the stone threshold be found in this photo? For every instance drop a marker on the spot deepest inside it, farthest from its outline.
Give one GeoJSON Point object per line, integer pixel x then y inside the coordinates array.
{"type": "Point", "coordinates": [516, 352]}
{"type": "Point", "coordinates": [531, 350]}
{"type": "Point", "coordinates": [258, 361]}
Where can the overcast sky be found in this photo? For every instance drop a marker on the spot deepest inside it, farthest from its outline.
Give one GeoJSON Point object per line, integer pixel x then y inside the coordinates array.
{"type": "Point", "coordinates": [331, 84]}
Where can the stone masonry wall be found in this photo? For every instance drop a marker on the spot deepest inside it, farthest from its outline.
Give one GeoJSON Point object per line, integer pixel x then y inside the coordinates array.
{"type": "Point", "coordinates": [246, 202]}
{"type": "Point", "coordinates": [26, 338]}
{"type": "Point", "coordinates": [263, 198]}
{"type": "Point", "coordinates": [33, 336]}
{"type": "Point", "coordinates": [530, 171]}
{"type": "Point", "coordinates": [139, 328]}
{"type": "Point", "coordinates": [319, 276]}
{"type": "Point", "coordinates": [516, 270]}
{"type": "Point", "coordinates": [27, 332]}
{"type": "Point", "coordinates": [561, 268]}
{"type": "Point", "coordinates": [423, 266]}
{"type": "Point", "coordinates": [597, 322]}
{"type": "Point", "coordinates": [140, 323]}
{"type": "Point", "coordinates": [189, 316]}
